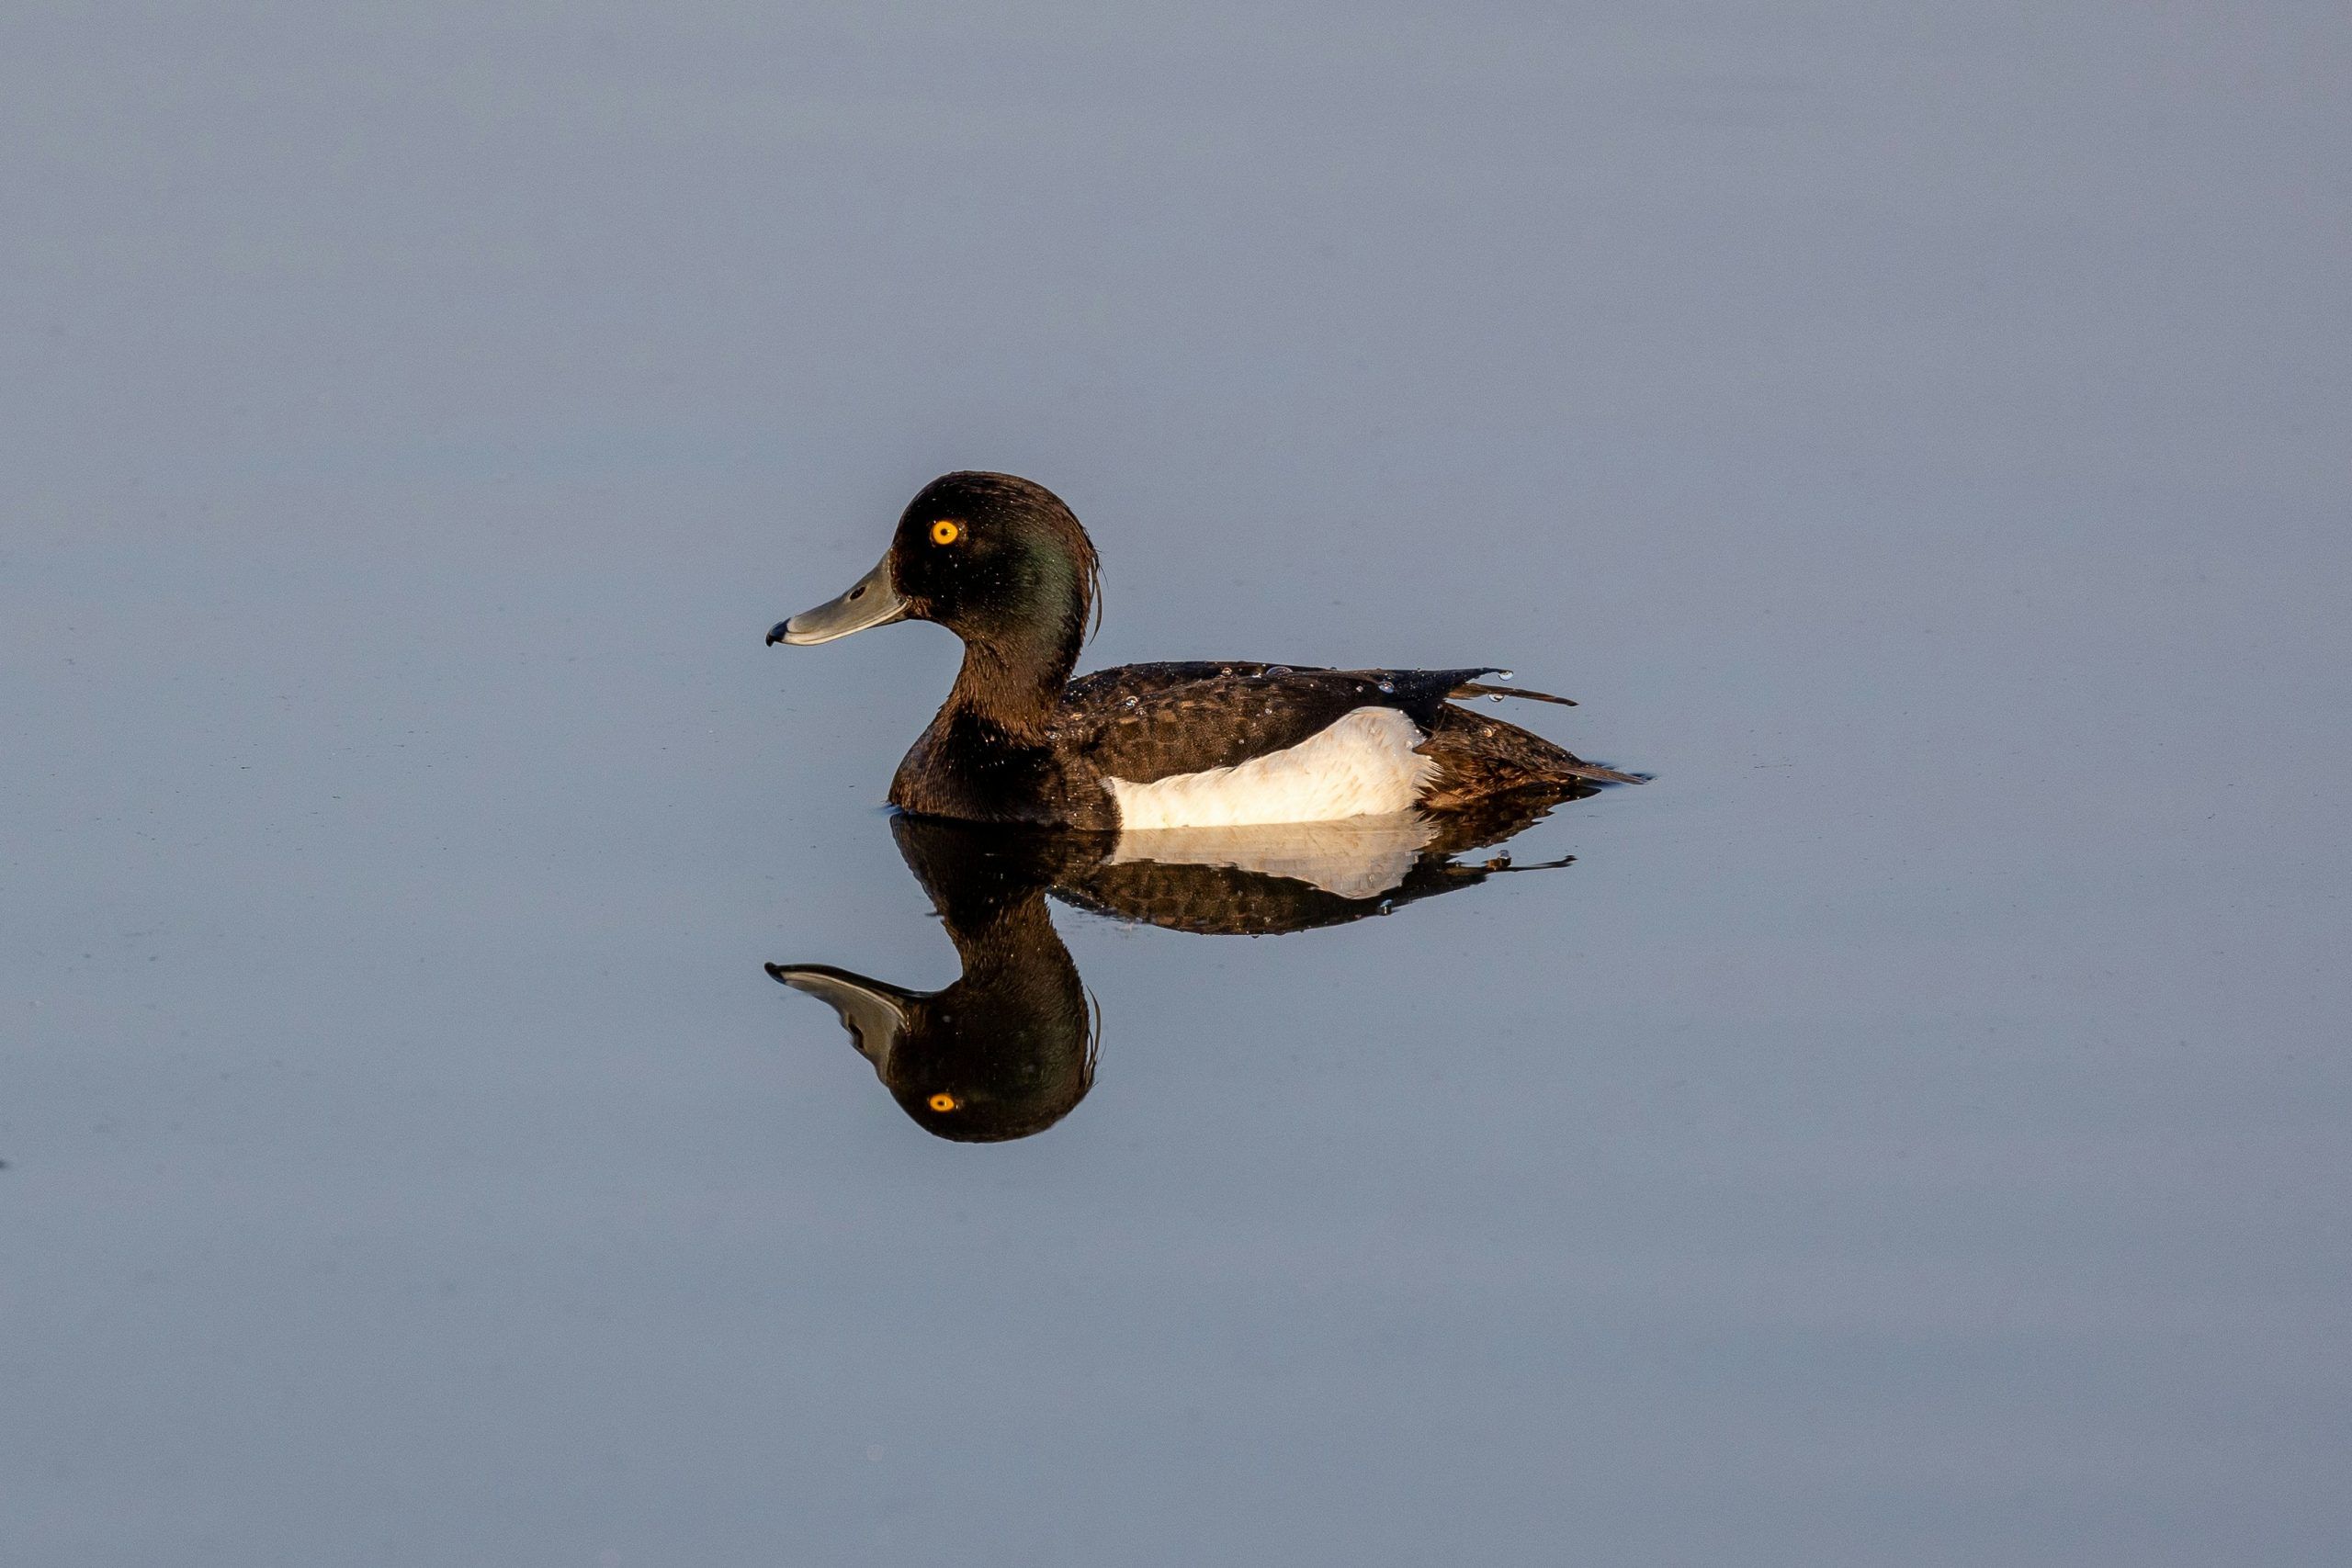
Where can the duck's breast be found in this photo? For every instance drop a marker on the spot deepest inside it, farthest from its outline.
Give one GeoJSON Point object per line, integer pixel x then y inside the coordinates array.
{"type": "Point", "coordinates": [1362, 765]}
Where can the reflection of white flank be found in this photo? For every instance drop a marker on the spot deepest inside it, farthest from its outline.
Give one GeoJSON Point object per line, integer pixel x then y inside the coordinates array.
{"type": "Point", "coordinates": [1362, 765]}
{"type": "Point", "coordinates": [1361, 857]}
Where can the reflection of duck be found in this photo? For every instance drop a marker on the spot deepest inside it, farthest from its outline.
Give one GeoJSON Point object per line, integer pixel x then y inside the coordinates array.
{"type": "Point", "coordinates": [1009, 1047]}
{"type": "Point", "coordinates": [1004, 565]}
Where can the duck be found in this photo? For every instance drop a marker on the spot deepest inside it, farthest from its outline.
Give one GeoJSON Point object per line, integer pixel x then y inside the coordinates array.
{"type": "Point", "coordinates": [1005, 564]}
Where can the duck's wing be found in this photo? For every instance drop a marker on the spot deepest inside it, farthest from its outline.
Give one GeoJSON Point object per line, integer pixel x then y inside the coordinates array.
{"type": "Point", "coordinates": [1143, 722]}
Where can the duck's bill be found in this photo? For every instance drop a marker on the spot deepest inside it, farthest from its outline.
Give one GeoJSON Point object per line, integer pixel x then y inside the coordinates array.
{"type": "Point", "coordinates": [874, 602]}
{"type": "Point", "coordinates": [874, 1013]}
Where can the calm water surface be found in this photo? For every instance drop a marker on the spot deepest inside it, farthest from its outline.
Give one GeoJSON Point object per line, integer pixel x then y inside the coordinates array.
{"type": "Point", "coordinates": [1912, 1130]}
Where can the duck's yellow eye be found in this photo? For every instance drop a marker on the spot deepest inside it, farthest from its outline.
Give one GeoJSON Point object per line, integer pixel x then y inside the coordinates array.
{"type": "Point", "coordinates": [945, 533]}
{"type": "Point", "coordinates": [943, 1101]}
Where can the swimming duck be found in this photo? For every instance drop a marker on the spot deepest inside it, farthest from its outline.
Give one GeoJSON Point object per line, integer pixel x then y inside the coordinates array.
{"type": "Point", "coordinates": [1003, 564]}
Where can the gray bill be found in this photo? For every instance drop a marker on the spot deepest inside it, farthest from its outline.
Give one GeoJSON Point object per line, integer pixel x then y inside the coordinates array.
{"type": "Point", "coordinates": [875, 601]}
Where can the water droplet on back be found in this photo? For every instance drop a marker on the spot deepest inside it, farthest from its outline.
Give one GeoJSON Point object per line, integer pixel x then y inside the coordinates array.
{"type": "Point", "coordinates": [1277, 670]}
{"type": "Point", "coordinates": [1388, 685]}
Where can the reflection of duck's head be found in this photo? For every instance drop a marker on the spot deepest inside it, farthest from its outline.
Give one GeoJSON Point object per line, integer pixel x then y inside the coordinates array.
{"type": "Point", "coordinates": [1008, 1049]}
{"type": "Point", "coordinates": [996, 1055]}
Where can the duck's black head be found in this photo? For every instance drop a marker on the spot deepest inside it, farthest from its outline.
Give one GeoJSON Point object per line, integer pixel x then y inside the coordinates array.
{"type": "Point", "coordinates": [996, 559]}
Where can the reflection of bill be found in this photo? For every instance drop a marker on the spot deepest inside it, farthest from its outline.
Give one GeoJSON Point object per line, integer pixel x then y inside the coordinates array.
{"type": "Point", "coordinates": [1009, 1047]}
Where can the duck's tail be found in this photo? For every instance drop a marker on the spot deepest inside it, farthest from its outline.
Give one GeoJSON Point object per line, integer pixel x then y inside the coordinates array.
{"type": "Point", "coordinates": [1480, 689]}
{"type": "Point", "coordinates": [1480, 757]}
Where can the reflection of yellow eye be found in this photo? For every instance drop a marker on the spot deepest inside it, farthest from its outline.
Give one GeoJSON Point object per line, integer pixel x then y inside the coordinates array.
{"type": "Point", "coordinates": [945, 533]}
{"type": "Point", "coordinates": [943, 1101]}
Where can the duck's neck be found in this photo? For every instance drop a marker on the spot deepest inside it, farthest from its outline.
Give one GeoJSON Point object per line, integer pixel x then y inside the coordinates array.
{"type": "Point", "coordinates": [1014, 684]}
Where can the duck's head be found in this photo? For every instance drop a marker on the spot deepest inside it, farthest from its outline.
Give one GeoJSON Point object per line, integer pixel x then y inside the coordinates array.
{"type": "Point", "coordinates": [996, 559]}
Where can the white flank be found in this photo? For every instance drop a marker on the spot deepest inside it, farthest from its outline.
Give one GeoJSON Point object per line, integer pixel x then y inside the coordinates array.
{"type": "Point", "coordinates": [1360, 857]}
{"type": "Point", "coordinates": [1362, 765]}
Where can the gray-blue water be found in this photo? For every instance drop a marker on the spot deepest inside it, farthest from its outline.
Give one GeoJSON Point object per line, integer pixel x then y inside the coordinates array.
{"type": "Point", "coordinates": [1913, 1130]}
